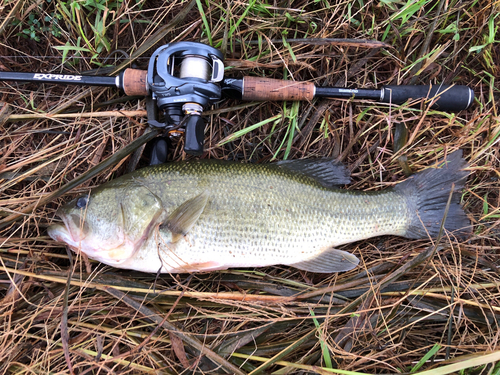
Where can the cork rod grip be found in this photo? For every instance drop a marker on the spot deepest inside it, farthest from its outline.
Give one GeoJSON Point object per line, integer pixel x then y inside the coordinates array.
{"type": "Point", "coordinates": [134, 82]}
{"type": "Point", "coordinates": [256, 88]}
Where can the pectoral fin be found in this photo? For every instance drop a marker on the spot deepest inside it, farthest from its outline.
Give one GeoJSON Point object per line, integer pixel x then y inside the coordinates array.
{"type": "Point", "coordinates": [331, 260]}
{"type": "Point", "coordinates": [185, 216]}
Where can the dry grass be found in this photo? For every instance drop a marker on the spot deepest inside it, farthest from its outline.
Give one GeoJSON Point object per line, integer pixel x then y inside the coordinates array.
{"type": "Point", "coordinates": [405, 305]}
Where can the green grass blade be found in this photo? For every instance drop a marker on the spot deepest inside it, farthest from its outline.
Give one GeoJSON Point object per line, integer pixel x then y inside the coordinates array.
{"type": "Point", "coordinates": [245, 12]}
{"type": "Point", "coordinates": [294, 115]}
{"type": "Point", "coordinates": [205, 22]}
{"type": "Point", "coordinates": [496, 369]}
{"type": "Point", "coordinates": [462, 365]}
{"type": "Point", "coordinates": [242, 132]}
{"type": "Point", "coordinates": [309, 368]}
{"type": "Point", "coordinates": [324, 346]}
{"type": "Point", "coordinates": [426, 357]}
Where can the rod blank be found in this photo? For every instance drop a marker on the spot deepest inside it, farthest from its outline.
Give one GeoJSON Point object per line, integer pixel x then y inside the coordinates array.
{"type": "Point", "coordinates": [68, 79]}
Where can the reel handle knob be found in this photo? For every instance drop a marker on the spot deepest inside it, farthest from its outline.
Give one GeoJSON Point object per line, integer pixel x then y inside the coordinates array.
{"type": "Point", "coordinates": [159, 151]}
{"type": "Point", "coordinates": [195, 134]}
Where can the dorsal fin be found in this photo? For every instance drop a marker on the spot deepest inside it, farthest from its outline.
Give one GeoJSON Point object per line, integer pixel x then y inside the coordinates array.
{"type": "Point", "coordinates": [327, 171]}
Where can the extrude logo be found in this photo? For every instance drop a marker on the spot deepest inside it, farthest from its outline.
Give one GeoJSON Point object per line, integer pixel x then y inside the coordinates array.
{"type": "Point", "coordinates": [57, 77]}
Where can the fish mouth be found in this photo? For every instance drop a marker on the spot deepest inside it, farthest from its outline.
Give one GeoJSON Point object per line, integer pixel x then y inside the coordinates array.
{"type": "Point", "coordinates": [72, 231]}
{"type": "Point", "coordinates": [58, 232]}
{"type": "Point", "coordinates": [80, 236]}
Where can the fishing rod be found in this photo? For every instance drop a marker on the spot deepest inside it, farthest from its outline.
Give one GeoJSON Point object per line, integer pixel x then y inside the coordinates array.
{"type": "Point", "coordinates": [184, 78]}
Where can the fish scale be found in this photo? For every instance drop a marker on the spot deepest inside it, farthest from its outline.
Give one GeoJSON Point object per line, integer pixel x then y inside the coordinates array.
{"type": "Point", "coordinates": [206, 215]}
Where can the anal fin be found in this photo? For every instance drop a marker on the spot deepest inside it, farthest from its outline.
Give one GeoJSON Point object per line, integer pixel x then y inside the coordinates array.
{"type": "Point", "coordinates": [329, 261]}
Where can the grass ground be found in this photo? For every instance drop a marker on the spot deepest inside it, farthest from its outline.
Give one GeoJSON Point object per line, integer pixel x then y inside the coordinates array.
{"type": "Point", "coordinates": [406, 309]}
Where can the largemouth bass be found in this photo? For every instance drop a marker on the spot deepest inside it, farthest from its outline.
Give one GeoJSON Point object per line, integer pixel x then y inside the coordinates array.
{"type": "Point", "coordinates": [210, 215]}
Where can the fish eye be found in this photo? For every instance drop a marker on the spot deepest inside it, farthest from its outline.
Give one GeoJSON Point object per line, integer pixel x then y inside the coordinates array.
{"type": "Point", "coordinates": [82, 202]}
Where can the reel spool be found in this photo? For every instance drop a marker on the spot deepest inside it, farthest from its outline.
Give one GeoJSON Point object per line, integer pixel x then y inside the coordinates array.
{"type": "Point", "coordinates": [184, 79]}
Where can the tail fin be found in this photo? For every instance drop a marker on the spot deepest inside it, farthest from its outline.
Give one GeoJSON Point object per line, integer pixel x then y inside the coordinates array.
{"type": "Point", "coordinates": [427, 194]}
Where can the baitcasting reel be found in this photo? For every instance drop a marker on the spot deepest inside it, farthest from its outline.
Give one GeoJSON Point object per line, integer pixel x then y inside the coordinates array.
{"type": "Point", "coordinates": [183, 80]}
